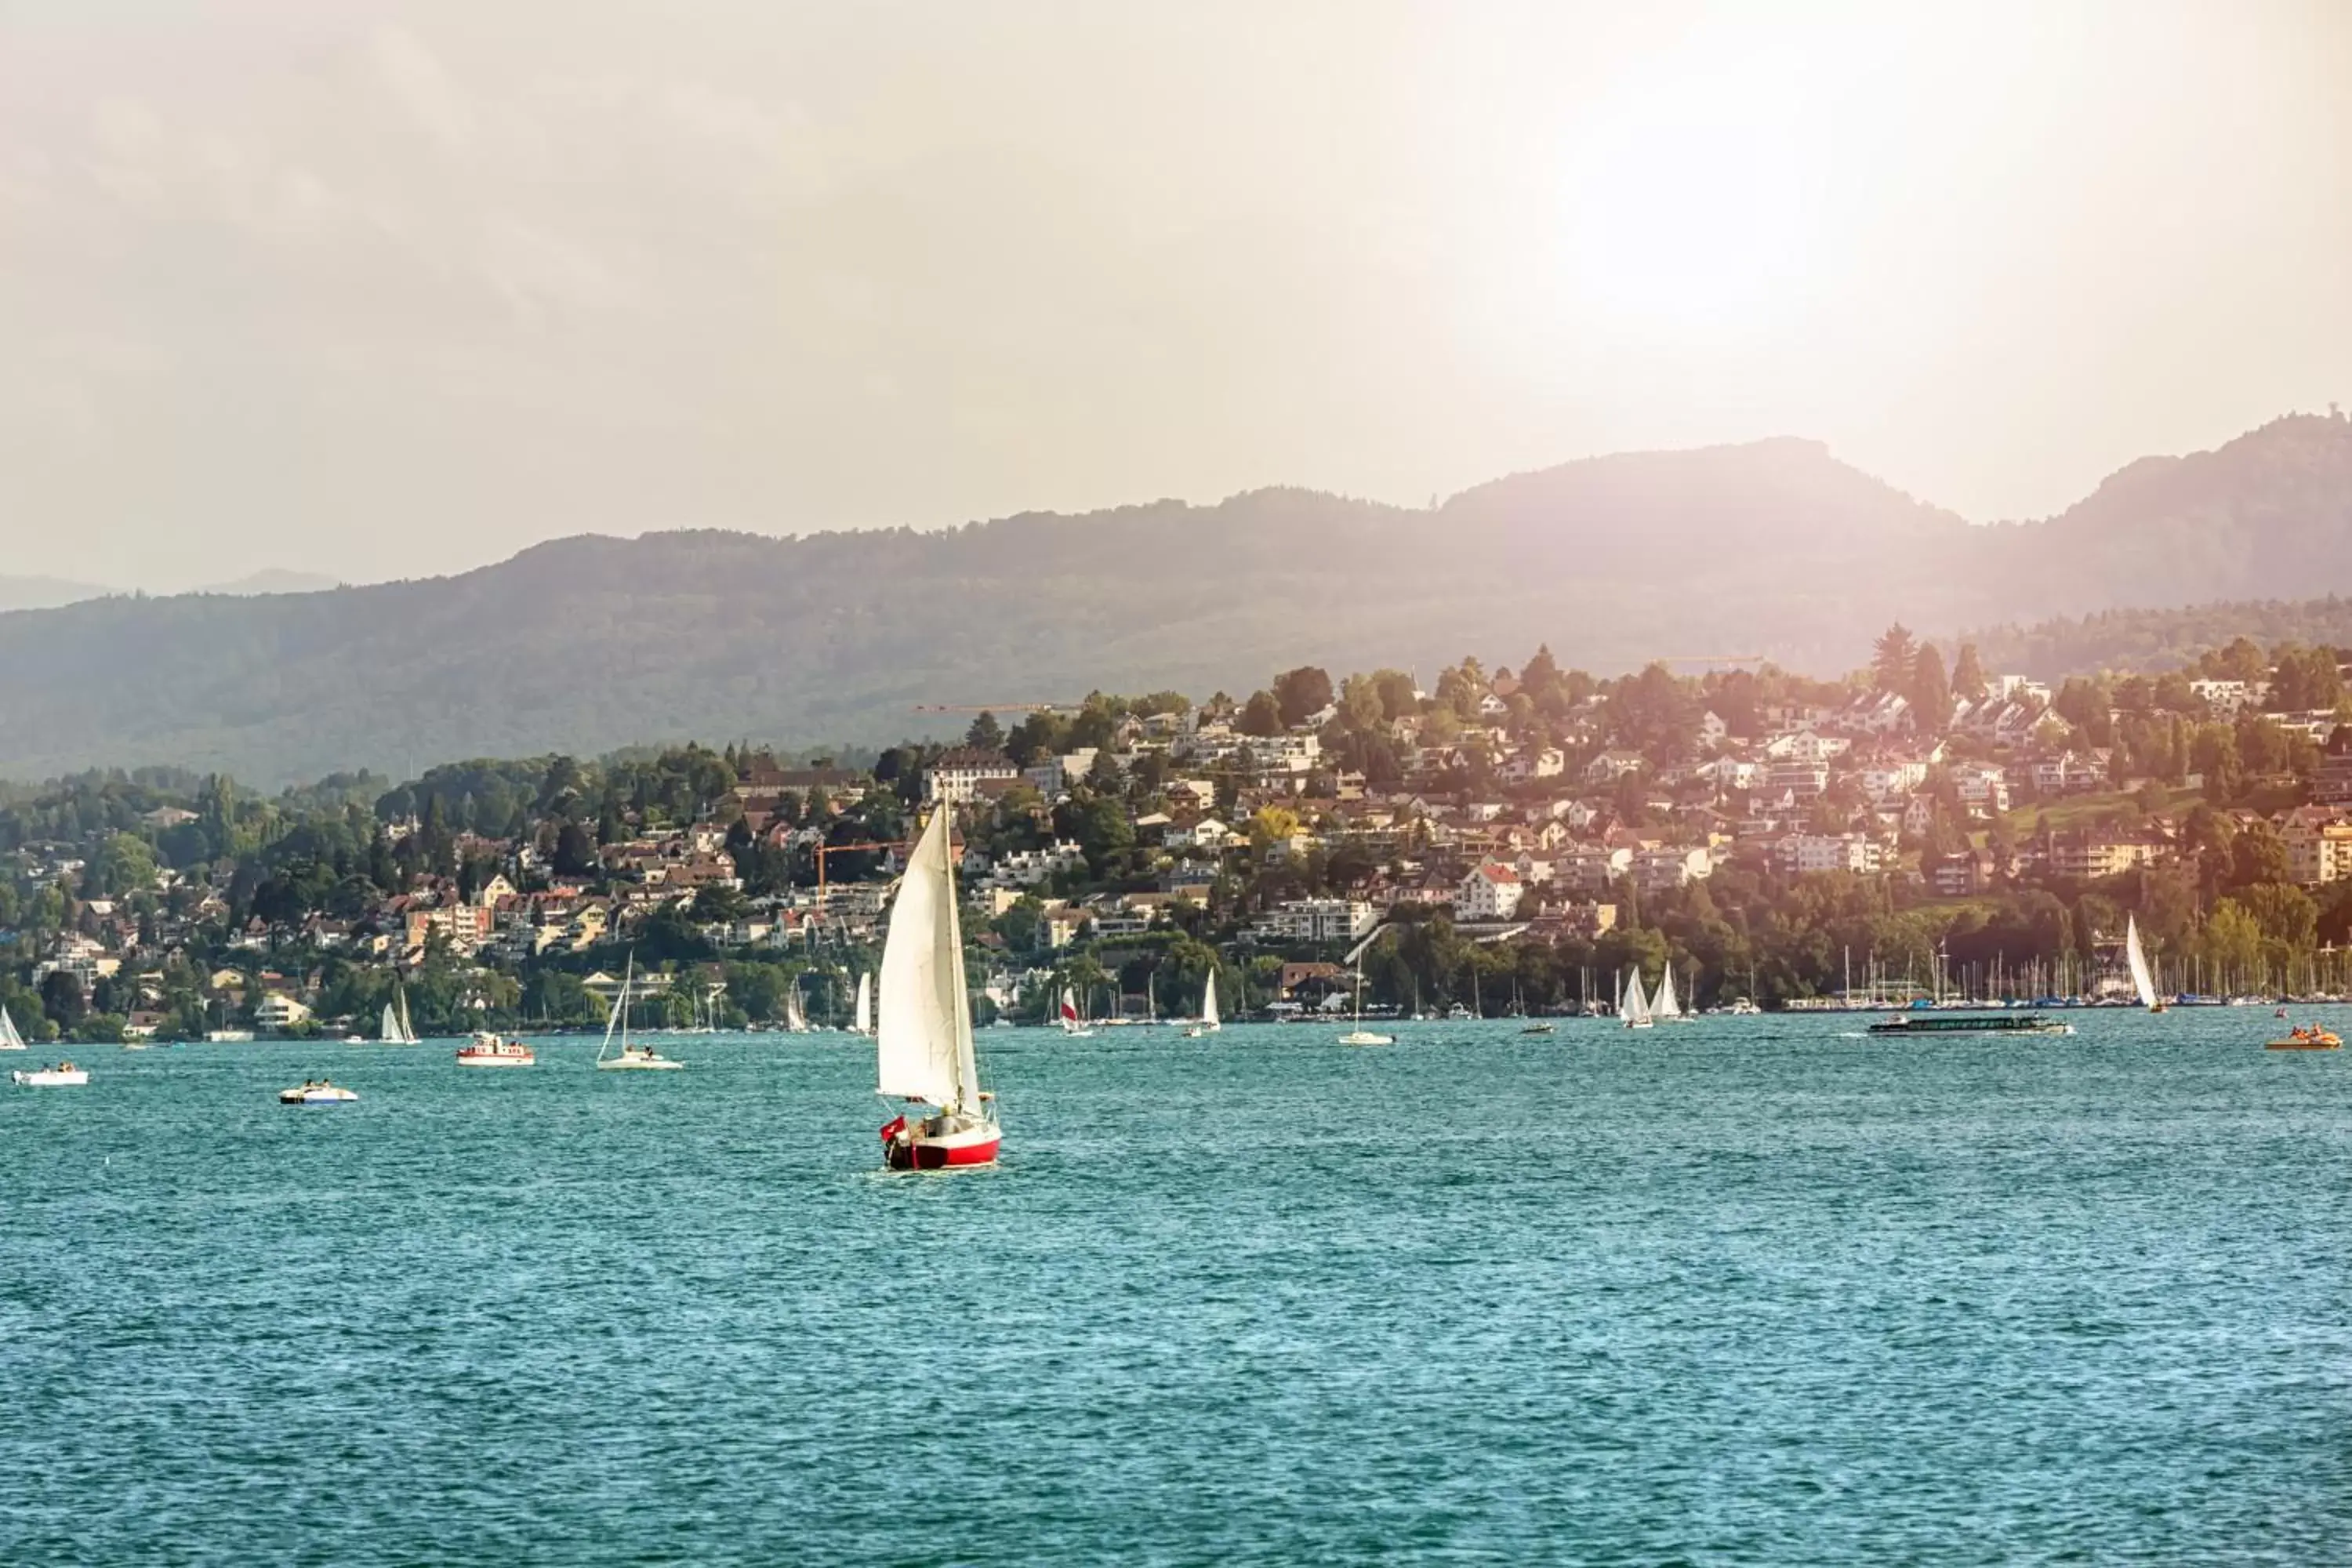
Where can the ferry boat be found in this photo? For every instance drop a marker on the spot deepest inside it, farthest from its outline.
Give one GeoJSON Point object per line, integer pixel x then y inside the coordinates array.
{"type": "Point", "coordinates": [1932, 1022]}
{"type": "Point", "coordinates": [489, 1050]}
{"type": "Point", "coordinates": [65, 1074]}
{"type": "Point", "coordinates": [315, 1091]}
{"type": "Point", "coordinates": [2307, 1037]}
{"type": "Point", "coordinates": [922, 1038]}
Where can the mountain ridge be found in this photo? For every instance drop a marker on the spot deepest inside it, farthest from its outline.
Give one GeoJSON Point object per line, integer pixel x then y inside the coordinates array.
{"type": "Point", "coordinates": [592, 641]}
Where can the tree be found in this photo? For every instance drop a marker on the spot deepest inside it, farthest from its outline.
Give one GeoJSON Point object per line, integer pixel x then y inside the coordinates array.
{"type": "Point", "coordinates": [1895, 657]}
{"type": "Point", "coordinates": [1968, 675]}
{"type": "Point", "coordinates": [62, 1000]}
{"type": "Point", "coordinates": [576, 854]}
{"type": "Point", "coordinates": [985, 734]}
{"type": "Point", "coordinates": [1654, 714]}
{"type": "Point", "coordinates": [1261, 715]}
{"type": "Point", "coordinates": [1300, 692]}
{"type": "Point", "coordinates": [1930, 696]}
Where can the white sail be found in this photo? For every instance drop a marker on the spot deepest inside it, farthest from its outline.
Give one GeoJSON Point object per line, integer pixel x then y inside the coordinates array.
{"type": "Point", "coordinates": [862, 1019]}
{"type": "Point", "coordinates": [617, 1021]}
{"type": "Point", "coordinates": [795, 1016]}
{"type": "Point", "coordinates": [2142, 981]}
{"type": "Point", "coordinates": [923, 1047]}
{"type": "Point", "coordinates": [1209, 1018]}
{"type": "Point", "coordinates": [1665, 1005]}
{"type": "Point", "coordinates": [1635, 1006]}
{"type": "Point", "coordinates": [1069, 1010]}
{"type": "Point", "coordinates": [10, 1040]}
{"type": "Point", "coordinates": [390, 1034]}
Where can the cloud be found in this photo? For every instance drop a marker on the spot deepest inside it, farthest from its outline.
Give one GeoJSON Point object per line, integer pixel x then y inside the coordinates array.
{"type": "Point", "coordinates": [423, 88]}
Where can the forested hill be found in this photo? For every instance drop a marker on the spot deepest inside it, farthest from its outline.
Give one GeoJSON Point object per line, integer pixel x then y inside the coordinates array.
{"type": "Point", "coordinates": [586, 644]}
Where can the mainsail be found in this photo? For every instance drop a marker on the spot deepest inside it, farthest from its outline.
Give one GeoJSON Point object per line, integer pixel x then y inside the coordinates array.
{"type": "Point", "coordinates": [1209, 1018]}
{"type": "Point", "coordinates": [1665, 1005]}
{"type": "Point", "coordinates": [923, 1047]}
{"type": "Point", "coordinates": [10, 1040]}
{"type": "Point", "coordinates": [795, 1016]}
{"type": "Point", "coordinates": [2142, 981]}
{"type": "Point", "coordinates": [1635, 1006]}
{"type": "Point", "coordinates": [396, 1030]}
{"type": "Point", "coordinates": [1069, 1009]}
{"type": "Point", "coordinates": [862, 1019]}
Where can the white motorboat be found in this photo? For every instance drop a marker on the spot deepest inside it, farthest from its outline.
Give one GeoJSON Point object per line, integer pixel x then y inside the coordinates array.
{"type": "Point", "coordinates": [65, 1074]}
{"type": "Point", "coordinates": [316, 1092]}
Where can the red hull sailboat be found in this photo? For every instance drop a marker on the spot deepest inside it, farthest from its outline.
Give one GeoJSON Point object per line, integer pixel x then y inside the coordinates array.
{"type": "Point", "coordinates": [922, 1027]}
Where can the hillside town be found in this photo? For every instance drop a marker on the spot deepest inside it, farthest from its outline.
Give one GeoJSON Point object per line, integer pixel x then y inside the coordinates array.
{"type": "Point", "coordinates": [1511, 839]}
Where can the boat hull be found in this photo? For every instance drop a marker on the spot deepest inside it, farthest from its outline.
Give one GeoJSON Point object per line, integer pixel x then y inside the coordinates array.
{"type": "Point", "coordinates": [496, 1061]}
{"type": "Point", "coordinates": [905, 1150]}
{"type": "Point", "coordinates": [51, 1079]}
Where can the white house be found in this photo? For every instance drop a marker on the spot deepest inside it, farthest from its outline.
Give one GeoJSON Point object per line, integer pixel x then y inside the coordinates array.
{"type": "Point", "coordinates": [955, 778]}
{"type": "Point", "coordinates": [1491, 892]}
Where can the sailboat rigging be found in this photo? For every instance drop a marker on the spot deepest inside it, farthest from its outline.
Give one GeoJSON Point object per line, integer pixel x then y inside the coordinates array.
{"type": "Point", "coordinates": [923, 1045]}
{"type": "Point", "coordinates": [632, 1057]}
{"type": "Point", "coordinates": [2143, 981]}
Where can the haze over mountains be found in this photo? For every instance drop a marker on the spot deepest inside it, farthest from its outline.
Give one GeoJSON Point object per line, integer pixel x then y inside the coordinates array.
{"type": "Point", "coordinates": [589, 643]}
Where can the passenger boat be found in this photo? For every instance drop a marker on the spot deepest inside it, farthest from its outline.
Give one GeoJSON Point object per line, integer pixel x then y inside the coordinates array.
{"type": "Point", "coordinates": [922, 1039]}
{"type": "Point", "coordinates": [2307, 1037]}
{"type": "Point", "coordinates": [315, 1091]}
{"type": "Point", "coordinates": [631, 1057]}
{"type": "Point", "coordinates": [1929, 1023]}
{"type": "Point", "coordinates": [65, 1074]}
{"type": "Point", "coordinates": [489, 1050]}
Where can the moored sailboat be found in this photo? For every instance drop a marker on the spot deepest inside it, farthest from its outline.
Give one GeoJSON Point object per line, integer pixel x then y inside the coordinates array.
{"type": "Point", "coordinates": [922, 1041]}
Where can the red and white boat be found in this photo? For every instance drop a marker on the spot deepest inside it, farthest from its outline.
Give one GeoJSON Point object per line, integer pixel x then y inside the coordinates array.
{"type": "Point", "coordinates": [922, 1034]}
{"type": "Point", "coordinates": [1072, 1024]}
{"type": "Point", "coordinates": [489, 1050]}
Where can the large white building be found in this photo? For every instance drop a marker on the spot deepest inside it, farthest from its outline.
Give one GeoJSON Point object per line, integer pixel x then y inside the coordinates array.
{"type": "Point", "coordinates": [1317, 920]}
{"type": "Point", "coordinates": [956, 777]}
{"type": "Point", "coordinates": [1806, 852]}
{"type": "Point", "coordinates": [1492, 892]}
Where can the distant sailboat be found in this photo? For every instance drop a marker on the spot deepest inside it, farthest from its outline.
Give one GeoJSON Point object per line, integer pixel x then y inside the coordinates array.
{"type": "Point", "coordinates": [862, 1018]}
{"type": "Point", "coordinates": [1360, 1035]}
{"type": "Point", "coordinates": [1633, 1008]}
{"type": "Point", "coordinates": [1072, 1024]}
{"type": "Point", "coordinates": [631, 1057]}
{"type": "Point", "coordinates": [795, 1016]}
{"type": "Point", "coordinates": [923, 1052]}
{"type": "Point", "coordinates": [2143, 981]}
{"type": "Point", "coordinates": [10, 1040]}
{"type": "Point", "coordinates": [1209, 1022]}
{"type": "Point", "coordinates": [396, 1030]}
{"type": "Point", "coordinates": [1665, 1007]}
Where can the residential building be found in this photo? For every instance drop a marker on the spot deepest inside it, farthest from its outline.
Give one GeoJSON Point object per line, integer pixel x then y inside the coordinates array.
{"type": "Point", "coordinates": [1317, 920]}
{"type": "Point", "coordinates": [1491, 892]}
{"type": "Point", "coordinates": [2318, 847]}
{"type": "Point", "coordinates": [2090, 853]}
{"type": "Point", "coordinates": [954, 777]}
{"type": "Point", "coordinates": [279, 1012]}
{"type": "Point", "coordinates": [1805, 852]}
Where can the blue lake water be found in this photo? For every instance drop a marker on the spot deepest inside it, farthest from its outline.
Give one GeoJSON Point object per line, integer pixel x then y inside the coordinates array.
{"type": "Point", "coordinates": [1752, 1290]}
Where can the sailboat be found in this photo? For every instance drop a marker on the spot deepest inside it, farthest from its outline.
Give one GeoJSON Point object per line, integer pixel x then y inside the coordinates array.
{"type": "Point", "coordinates": [2142, 981]}
{"type": "Point", "coordinates": [1209, 1022]}
{"type": "Point", "coordinates": [1360, 1035]}
{"type": "Point", "coordinates": [633, 1057]}
{"type": "Point", "coordinates": [1632, 1006]}
{"type": "Point", "coordinates": [1666, 1007]}
{"type": "Point", "coordinates": [862, 1018]}
{"type": "Point", "coordinates": [10, 1040]}
{"type": "Point", "coordinates": [396, 1030]}
{"type": "Point", "coordinates": [1072, 1024]}
{"type": "Point", "coordinates": [923, 1052]}
{"type": "Point", "coordinates": [795, 1016]}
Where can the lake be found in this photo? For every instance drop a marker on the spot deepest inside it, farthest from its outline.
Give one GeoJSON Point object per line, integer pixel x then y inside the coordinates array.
{"type": "Point", "coordinates": [1751, 1290]}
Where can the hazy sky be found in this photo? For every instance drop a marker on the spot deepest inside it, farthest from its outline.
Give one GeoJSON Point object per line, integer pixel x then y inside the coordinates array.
{"type": "Point", "coordinates": [385, 289]}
